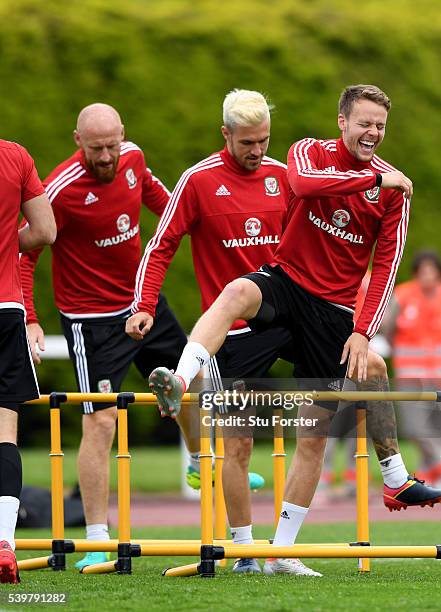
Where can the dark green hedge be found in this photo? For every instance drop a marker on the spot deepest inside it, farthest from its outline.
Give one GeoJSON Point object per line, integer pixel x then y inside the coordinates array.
{"type": "Point", "coordinates": [167, 66]}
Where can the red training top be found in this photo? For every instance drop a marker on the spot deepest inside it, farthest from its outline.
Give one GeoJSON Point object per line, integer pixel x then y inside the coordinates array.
{"type": "Point", "coordinates": [234, 217]}
{"type": "Point", "coordinates": [19, 183]}
{"type": "Point", "coordinates": [98, 246]}
{"type": "Point", "coordinates": [337, 214]}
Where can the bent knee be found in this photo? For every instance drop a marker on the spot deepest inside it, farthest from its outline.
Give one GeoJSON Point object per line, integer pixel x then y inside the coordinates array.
{"type": "Point", "coordinates": [241, 296]}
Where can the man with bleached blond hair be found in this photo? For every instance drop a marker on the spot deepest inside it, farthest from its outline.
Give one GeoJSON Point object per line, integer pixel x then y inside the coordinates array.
{"type": "Point", "coordinates": [232, 204]}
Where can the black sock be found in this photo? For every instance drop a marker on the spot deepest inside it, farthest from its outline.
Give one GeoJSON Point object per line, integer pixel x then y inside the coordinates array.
{"type": "Point", "coordinates": [10, 470]}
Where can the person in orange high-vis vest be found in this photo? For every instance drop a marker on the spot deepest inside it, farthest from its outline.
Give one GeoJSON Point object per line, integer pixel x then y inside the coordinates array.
{"type": "Point", "coordinates": [413, 327]}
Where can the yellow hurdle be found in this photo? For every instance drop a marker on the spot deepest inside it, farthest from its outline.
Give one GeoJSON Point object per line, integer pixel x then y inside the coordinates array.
{"type": "Point", "coordinates": [139, 398]}
{"type": "Point", "coordinates": [123, 460]}
{"type": "Point", "coordinates": [124, 563]}
{"type": "Point", "coordinates": [206, 459]}
{"type": "Point", "coordinates": [58, 558]}
{"type": "Point", "coordinates": [325, 551]}
{"type": "Point", "coordinates": [206, 567]}
{"type": "Point", "coordinates": [208, 548]}
{"type": "Point", "coordinates": [279, 456]}
{"type": "Point", "coordinates": [328, 396]}
{"type": "Point", "coordinates": [83, 545]}
{"type": "Point", "coordinates": [220, 511]}
{"type": "Point", "coordinates": [56, 460]}
{"type": "Point", "coordinates": [362, 484]}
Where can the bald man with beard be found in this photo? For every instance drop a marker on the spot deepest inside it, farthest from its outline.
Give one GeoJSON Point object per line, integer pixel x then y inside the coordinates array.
{"type": "Point", "coordinates": [96, 197]}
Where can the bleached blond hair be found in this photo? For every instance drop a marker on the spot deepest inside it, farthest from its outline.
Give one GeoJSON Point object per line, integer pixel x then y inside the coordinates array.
{"type": "Point", "coordinates": [243, 107]}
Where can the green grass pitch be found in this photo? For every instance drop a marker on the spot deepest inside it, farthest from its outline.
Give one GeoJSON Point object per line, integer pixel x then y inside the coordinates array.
{"type": "Point", "coordinates": [391, 584]}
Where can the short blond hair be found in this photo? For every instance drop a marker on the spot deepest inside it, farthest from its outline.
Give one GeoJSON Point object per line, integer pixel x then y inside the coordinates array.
{"type": "Point", "coordinates": [243, 107]}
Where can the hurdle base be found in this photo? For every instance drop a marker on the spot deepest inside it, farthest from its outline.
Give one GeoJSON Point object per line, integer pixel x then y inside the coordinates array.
{"type": "Point", "coordinates": [35, 563]}
{"type": "Point", "coordinates": [125, 553]}
{"type": "Point", "coordinates": [58, 558]}
{"type": "Point", "coordinates": [123, 565]}
{"type": "Point", "coordinates": [206, 568]}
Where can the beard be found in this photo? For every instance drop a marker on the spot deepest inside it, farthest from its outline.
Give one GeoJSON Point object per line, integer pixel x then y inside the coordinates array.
{"type": "Point", "coordinates": [104, 173]}
{"type": "Point", "coordinates": [252, 164]}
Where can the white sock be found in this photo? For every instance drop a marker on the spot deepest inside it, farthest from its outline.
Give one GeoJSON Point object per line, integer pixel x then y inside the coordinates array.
{"type": "Point", "coordinates": [98, 531]}
{"type": "Point", "coordinates": [8, 518]}
{"type": "Point", "coordinates": [290, 521]}
{"type": "Point", "coordinates": [195, 461]}
{"type": "Point", "coordinates": [394, 471]}
{"type": "Point", "coordinates": [242, 535]}
{"type": "Point", "coordinates": [193, 358]}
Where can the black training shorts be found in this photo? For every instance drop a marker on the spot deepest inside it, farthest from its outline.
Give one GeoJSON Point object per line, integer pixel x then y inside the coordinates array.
{"type": "Point", "coordinates": [319, 329]}
{"type": "Point", "coordinates": [102, 352]}
{"type": "Point", "coordinates": [18, 382]}
{"type": "Point", "coordinates": [250, 354]}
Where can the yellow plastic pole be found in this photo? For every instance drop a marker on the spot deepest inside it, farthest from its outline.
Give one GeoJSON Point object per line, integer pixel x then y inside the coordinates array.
{"type": "Point", "coordinates": [330, 551]}
{"type": "Point", "coordinates": [33, 544]}
{"type": "Point", "coordinates": [33, 564]}
{"type": "Point", "coordinates": [362, 484]}
{"type": "Point", "coordinates": [56, 460]}
{"type": "Point", "coordinates": [205, 458]}
{"type": "Point", "coordinates": [83, 545]}
{"type": "Point", "coordinates": [349, 396]}
{"type": "Point", "coordinates": [220, 512]}
{"type": "Point", "coordinates": [140, 398]}
{"type": "Point", "coordinates": [95, 545]}
{"type": "Point", "coordinates": [278, 465]}
{"type": "Point", "coordinates": [182, 571]}
{"type": "Point", "coordinates": [171, 550]}
{"type": "Point", "coordinates": [323, 551]}
{"type": "Point", "coordinates": [108, 567]}
{"type": "Point", "coordinates": [123, 459]}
